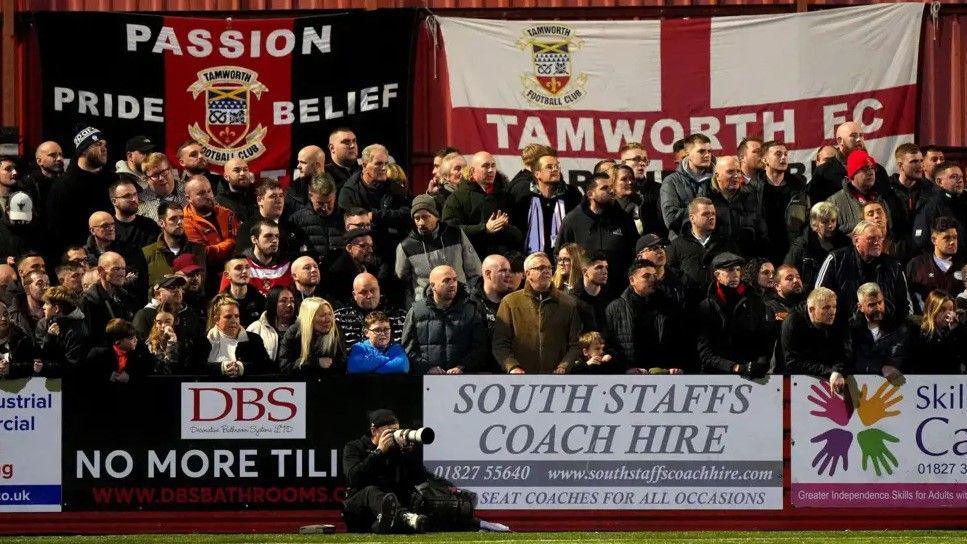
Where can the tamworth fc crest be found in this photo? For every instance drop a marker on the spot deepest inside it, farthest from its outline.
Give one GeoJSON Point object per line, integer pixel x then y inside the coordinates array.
{"type": "Point", "coordinates": [552, 83]}
{"type": "Point", "coordinates": [228, 132]}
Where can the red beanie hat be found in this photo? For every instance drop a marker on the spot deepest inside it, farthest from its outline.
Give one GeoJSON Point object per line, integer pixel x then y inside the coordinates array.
{"type": "Point", "coordinates": [857, 161]}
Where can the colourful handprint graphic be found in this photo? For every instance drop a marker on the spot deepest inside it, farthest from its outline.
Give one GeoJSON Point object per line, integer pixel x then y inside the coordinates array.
{"type": "Point", "coordinates": [834, 450]}
{"type": "Point", "coordinates": [875, 408]}
{"type": "Point", "coordinates": [836, 409]}
{"type": "Point", "coordinates": [872, 444]}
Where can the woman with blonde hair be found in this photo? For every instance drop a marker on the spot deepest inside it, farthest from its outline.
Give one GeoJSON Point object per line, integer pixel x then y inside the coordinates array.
{"type": "Point", "coordinates": [939, 347]}
{"type": "Point", "coordinates": [313, 345]}
{"type": "Point", "coordinates": [570, 267]}
{"type": "Point", "coordinates": [234, 352]}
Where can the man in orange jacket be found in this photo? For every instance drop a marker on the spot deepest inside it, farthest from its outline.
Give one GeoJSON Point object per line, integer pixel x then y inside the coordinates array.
{"type": "Point", "coordinates": [209, 224]}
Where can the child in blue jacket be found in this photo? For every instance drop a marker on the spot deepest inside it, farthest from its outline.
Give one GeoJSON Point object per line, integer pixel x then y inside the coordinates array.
{"type": "Point", "coordinates": [375, 354]}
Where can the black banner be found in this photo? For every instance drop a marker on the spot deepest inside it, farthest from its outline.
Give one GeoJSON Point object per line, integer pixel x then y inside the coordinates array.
{"type": "Point", "coordinates": [258, 89]}
{"type": "Point", "coordinates": [172, 444]}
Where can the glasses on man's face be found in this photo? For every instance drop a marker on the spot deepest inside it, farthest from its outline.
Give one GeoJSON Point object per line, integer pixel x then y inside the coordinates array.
{"type": "Point", "coordinates": [363, 245]}
{"type": "Point", "coordinates": [380, 331]}
{"type": "Point", "coordinates": [637, 159]}
{"type": "Point", "coordinates": [159, 174]}
{"type": "Point", "coordinates": [104, 226]}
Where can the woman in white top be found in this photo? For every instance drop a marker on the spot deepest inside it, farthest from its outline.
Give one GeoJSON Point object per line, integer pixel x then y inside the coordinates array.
{"type": "Point", "coordinates": [234, 352]}
{"type": "Point", "coordinates": [278, 316]}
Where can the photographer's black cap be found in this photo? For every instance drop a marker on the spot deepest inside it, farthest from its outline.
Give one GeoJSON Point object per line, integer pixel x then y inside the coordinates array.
{"type": "Point", "coordinates": [378, 418]}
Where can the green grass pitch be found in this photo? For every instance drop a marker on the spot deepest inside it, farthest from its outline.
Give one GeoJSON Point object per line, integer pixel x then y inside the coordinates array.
{"type": "Point", "coordinates": [725, 537]}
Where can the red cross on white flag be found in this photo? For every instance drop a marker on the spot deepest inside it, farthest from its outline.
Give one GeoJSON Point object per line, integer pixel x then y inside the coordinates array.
{"type": "Point", "coordinates": [792, 78]}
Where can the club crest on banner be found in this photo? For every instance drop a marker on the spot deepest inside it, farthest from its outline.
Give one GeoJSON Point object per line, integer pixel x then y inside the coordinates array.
{"type": "Point", "coordinates": [228, 133]}
{"type": "Point", "coordinates": [553, 82]}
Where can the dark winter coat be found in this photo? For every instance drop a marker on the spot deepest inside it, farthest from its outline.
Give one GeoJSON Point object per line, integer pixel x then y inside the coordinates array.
{"type": "Point", "coordinates": [522, 195]}
{"type": "Point", "coordinates": [20, 353]}
{"type": "Point", "coordinates": [912, 200]}
{"type": "Point", "coordinates": [138, 233]}
{"type": "Point", "coordinates": [687, 254]}
{"type": "Point", "coordinates": [648, 332]}
{"type": "Point", "coordinates": [812, 350]}
{"type": "Point", "coordinates": [943, 352]}
{"type": "Point", "coordinates": [321, 236]}
{"type": "Point", "coordinates": [939, 204]}
{"type": "Point", "coordinates": [446, 338]}
{"type": "Point", "coordinates": [785, 210]}
{"type": "Point", "coordinates": [72, 200]}
{"type": "Point", "coordinates": [891, 348]}
{"type": "Point", "coordinates": [241, 202]}
{"type": "Point", "coordinates": [739, 218]}
{"type": "Point", "coordinates": [99, 307]}
{"type": "Point", "coordinates": [388, 202]}
{"type": "Point", "coordinates": [591, 308]}
{"type": "Point", "coordinates": [290, 351]}
{"type": "Point", "coordinates": [611, 232]}
{"type": "Point", "coordinates": [808, 255]}
{"type": "Point", "coordinates": [843, 271]}
{"type": "Point", "coordinates": [62, 353]}
{"type": "Point", "coordinates": [101, 362]}
{"type": "Point", "coordinates": [737, 336]}
{"type": "Point", "coordinates": [470, 207]}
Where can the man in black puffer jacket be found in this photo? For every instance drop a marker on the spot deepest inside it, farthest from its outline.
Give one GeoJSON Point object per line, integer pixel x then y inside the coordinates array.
{"type": "Point", "coordinates": [371, 189]}
{"type": "Point", "coordinates": [600, 225]}
{"type": "Point", "coordinates": [645, 327]}
{"type": "Point", "coordinates": [814, 344]}
{"type": "Point", "coordinates": [735, 335]}
{"type": "Point", "coordinates": [738, 209]}
{"type": "Point", "coordinates": [481, 208]}
{"type": "Point", "coordinates": [699, 243]}
{"type": "Point", "coordinates": [445, 332]}
{"type": "Point", "coordinates": [319, 226]}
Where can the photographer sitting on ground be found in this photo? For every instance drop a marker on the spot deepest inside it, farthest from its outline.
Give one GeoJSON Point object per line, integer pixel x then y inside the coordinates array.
{"type": "Point", "coordinates": [389, 491]}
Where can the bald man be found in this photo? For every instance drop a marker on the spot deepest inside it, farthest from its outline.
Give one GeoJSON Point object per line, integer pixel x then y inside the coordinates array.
{"type": "Point", "coordinates": [102, 239]}
{"type": "Point", "coordinates": [831, 176]}
{"type": "Point", "coordinates": [343, 154]}
{"type": "Point", "coordinates": [366, 298]}
{"type": "Point", "coordinates": [238, 191]}
{"type": "Point", "coordinates": [480, 207]}
{"type": "Point", "coordinates": [311, 160]}
{"type": "Point", "coordinates": [738, 215]}
{"type": "Point", "coordinates": [49, 158]}
{"type": "Point", "coordinates": [445, 333]}
{"type": "Point", "coordinates": [108, 298]}
{"type": "Point", "coordinates": [305, 280]}
{"type": "Point", "coordinates": [210, 225]}
{"type": "Point", "coordinates": [494, 285]}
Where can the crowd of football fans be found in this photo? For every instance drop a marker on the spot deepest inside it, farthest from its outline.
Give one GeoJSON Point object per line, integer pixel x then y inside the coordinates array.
{"type": "Point", "coordinates": [730, 264]}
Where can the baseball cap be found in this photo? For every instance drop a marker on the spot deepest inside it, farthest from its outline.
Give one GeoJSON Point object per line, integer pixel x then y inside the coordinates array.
{"type": "Point", "coordinates": [139, 143]}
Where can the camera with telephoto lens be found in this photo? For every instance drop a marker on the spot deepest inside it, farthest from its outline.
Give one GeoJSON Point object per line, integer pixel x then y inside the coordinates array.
{"type": "Point", "coordinates": [423, 435]}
